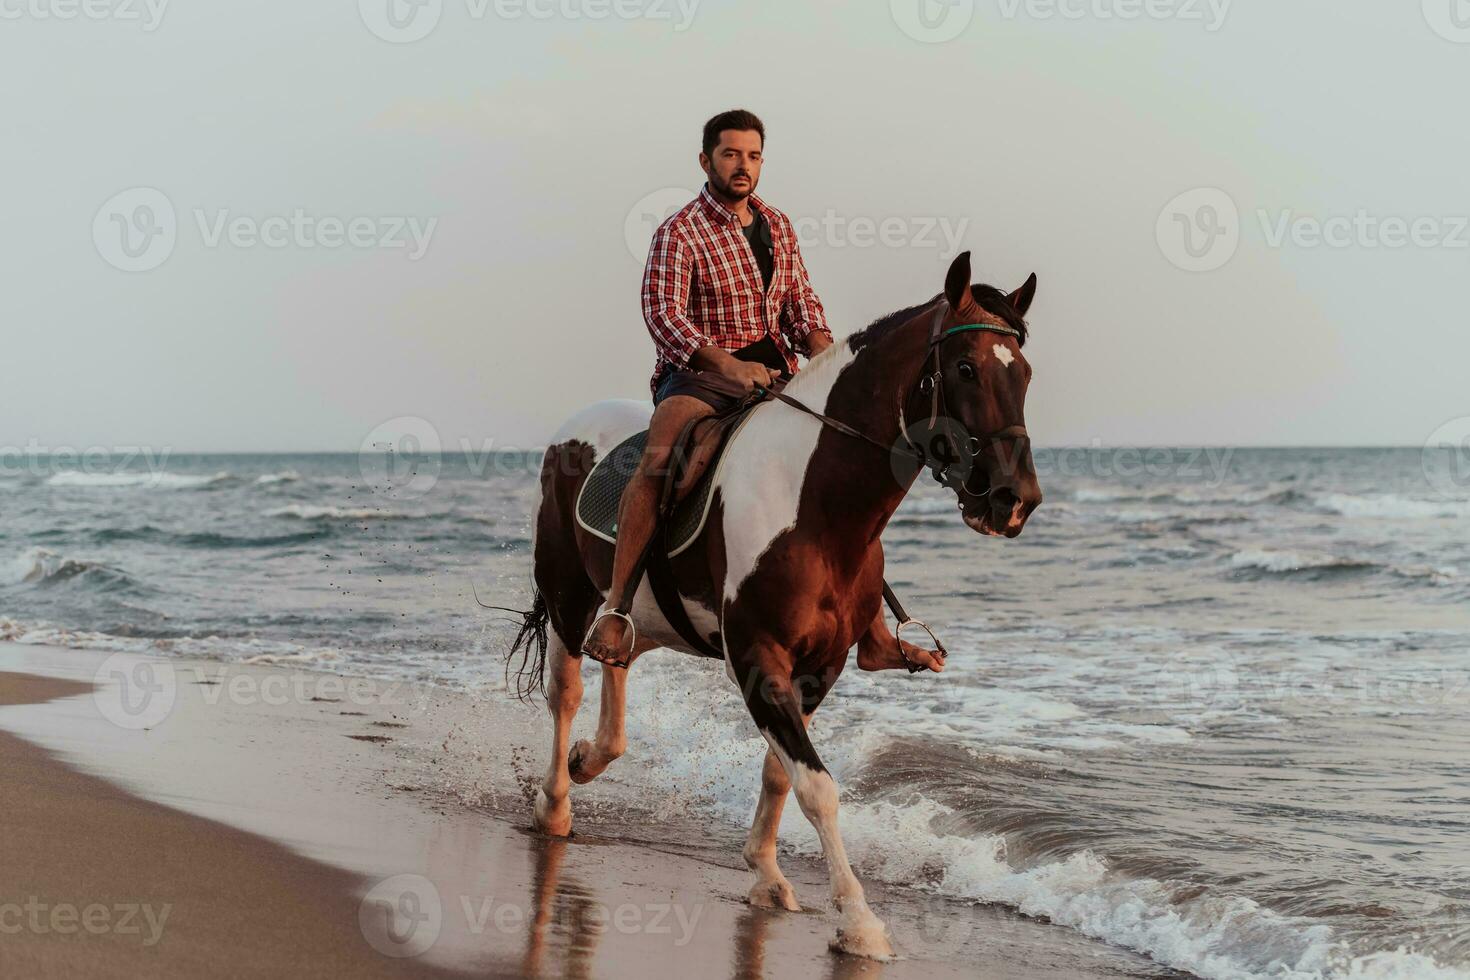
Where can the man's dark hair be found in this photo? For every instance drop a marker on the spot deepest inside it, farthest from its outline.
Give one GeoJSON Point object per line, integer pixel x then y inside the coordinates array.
{"type": "Point", "coordinates": [731, 119]}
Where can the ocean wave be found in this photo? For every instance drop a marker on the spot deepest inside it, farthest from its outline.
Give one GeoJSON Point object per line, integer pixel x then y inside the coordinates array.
{"type": "Point", "coordinates": [151, 481]}
{"type": "Point", "coordinates": [703, 753]}
{"type": "Point", "coordinates": [247, 650]}
{"type": "Point", "coordinates": [1319, 565]}
{"type": "Point", "coordinates": [270, 479]}
{"type": "Point", "coordinates": [1390, 506]}
{"type": "Point", "coordinates": [1210, 934]}
{"type": "Point", "coordinates": [44, 567]}
{"type": "Point", "coordinates": [327, 512]}
{"type": "Point", "coordinates": [205, 539]}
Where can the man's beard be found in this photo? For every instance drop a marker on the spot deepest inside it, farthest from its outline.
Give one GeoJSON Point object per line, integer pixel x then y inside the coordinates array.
{"type": "Point", "coordinates": [725, 190]}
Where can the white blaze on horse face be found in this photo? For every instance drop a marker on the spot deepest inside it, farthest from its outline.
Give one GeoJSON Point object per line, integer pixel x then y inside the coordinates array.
{"type": "Point", "coordinates": [765, 466]}
{"type": "Point", "coordinates": [1003, 354]}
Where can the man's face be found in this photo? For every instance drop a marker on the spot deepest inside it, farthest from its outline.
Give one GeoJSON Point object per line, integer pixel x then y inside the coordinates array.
{"type": "Point", "coordinates": [734, 167]}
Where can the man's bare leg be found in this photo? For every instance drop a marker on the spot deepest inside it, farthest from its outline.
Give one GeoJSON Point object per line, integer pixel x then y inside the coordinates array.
{"type": "Point", "coordinates": [610, 640]}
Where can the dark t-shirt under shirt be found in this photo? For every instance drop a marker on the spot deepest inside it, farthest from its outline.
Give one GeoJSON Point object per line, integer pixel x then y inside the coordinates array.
{"type": "Point", "coordinates": [758, 235]}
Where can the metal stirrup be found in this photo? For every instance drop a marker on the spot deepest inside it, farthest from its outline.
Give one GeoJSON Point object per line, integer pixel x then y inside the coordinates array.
{"type": "Point", "coordinates": [632, 629]}
{"type": "Point", "coordinates": [939, 652]}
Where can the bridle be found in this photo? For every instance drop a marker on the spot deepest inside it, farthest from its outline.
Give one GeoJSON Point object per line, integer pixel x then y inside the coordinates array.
{"type": "Point", "coordinates": [931, 384]}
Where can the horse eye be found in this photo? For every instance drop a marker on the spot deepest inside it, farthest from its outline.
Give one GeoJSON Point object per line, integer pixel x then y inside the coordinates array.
{"type": "Point", "coordinates": [967, 370]}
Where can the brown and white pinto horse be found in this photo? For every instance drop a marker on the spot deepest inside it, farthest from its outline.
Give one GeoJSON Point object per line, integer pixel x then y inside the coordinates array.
{"type": "Point", "coordinates": [789, 574]}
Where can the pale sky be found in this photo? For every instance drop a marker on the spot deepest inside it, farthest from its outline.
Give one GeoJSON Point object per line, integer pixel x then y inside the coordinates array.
{"type": "Point", "coordinates": [527, 141]}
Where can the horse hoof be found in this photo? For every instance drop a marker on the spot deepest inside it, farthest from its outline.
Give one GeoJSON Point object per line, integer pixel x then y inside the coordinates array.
{"type": "Point", "coordinates": [774, 895]}
{"type": "Point", "coordinates": [554, 821]}
{"type": "Point", "coordinates": [576, 763]}
{"type": "Point", "coordinates": [863, 936]}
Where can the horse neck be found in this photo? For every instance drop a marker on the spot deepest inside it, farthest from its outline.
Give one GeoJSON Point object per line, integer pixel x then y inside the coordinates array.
{"type": "Point", "coordinates": [859, 485]}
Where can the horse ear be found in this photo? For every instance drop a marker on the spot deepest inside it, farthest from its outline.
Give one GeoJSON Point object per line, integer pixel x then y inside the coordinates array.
{"type": "Point", "coordinates": [1021, 299]}
{"type": "Point", "coordinates": [957, 282]}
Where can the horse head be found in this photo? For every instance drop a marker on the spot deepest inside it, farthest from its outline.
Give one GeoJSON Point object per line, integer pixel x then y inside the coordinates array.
{"type": "Point", "coordinates": [968, 409]}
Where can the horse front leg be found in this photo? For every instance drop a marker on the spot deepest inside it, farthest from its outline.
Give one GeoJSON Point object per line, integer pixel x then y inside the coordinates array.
{"type": "Point", "coordinates": [553, 808]}
{"type": "Point", "coordinates": [771, 889]}
{"type": "Point", "coordinates": [777, 710]}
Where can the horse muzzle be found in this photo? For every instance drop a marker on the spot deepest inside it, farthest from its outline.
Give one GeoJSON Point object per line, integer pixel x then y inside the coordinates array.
{"type": "Point", "coordinates": [1007, 511]}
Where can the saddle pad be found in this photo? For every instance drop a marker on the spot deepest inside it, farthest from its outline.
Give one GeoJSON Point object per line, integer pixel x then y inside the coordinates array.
{"type": "Point", "coordinates": [602, 491]}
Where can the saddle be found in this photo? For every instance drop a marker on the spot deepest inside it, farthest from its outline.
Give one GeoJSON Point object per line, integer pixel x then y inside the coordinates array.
{"type": "Point", "coordinates": [602, 491]}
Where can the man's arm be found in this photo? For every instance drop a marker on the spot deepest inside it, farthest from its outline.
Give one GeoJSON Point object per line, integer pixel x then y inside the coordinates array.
{"type": "Point", "coordinates": [666, 280]}
{"type": "Point", "coordinates": [802, 318]}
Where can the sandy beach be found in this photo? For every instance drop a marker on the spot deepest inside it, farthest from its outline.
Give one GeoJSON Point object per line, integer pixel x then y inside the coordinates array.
{"type": "Point", "coordinates": [261, 821]}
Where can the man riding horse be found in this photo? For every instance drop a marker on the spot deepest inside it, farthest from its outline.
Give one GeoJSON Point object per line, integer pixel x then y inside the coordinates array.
{"type": "Point", "coordinates": [729, 304]}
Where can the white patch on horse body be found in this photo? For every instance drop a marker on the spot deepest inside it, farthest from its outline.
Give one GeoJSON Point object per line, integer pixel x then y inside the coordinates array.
{"type": "Point", "coordinates": [1003, 354]}
{"type": "Point", "coordinates": [766, 465]}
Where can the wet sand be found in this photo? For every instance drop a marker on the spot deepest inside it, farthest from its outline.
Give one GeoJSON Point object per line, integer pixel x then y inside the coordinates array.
{"type": "Point", "coordinates": [275, 822]}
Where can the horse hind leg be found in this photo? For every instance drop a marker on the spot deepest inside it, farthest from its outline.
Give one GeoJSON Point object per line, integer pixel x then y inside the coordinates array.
{"type": "Point", "coordinates": [553, 807]}
{"type": "Point", "coordinates": [771, 889]}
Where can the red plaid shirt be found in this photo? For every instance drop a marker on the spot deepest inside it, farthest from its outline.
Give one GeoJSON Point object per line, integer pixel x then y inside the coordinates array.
{"type": "Point", "coordinates": [701, 286]}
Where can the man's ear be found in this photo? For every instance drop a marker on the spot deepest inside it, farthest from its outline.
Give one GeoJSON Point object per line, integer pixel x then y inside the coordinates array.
{"type": "Point", "coordinates": [957, 283]}
{"type": "Point", "coordinates": [1021, 299]}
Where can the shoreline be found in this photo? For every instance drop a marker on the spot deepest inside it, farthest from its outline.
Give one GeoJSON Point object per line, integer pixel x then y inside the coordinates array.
{"type": "Point", "coordinates": [328, 801]}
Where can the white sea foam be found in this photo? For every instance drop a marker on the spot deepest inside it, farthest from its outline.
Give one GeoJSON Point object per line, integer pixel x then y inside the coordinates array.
{"type": "Point", "coordinates": [313, 512]}
{"type": "Point", "coordinates": [151, 481]}
{"type": "Point", "coordinates": [1287, 561]}
{"type": "Point", "coordinates": [249, 650]}
{"type": "Point", "coordinates": [35, 565]}
{"type": "Point", "coordinates": [701, 749]}
{"type": "Point", "coordinates": [286, 476]}
{"type": "Point", "coordinates": [1391, 506]}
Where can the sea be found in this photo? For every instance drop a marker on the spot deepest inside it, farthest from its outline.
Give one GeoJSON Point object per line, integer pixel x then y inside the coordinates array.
{"type": "Point", "coordinates": [1212, 706]}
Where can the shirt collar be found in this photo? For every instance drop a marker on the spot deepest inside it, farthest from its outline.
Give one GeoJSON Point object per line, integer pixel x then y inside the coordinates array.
{"type": "Point", "coordinates": [719, 212]}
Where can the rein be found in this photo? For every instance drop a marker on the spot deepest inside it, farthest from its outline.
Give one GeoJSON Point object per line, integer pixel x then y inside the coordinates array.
{"type": "Point", "coordinates": [933, 382]}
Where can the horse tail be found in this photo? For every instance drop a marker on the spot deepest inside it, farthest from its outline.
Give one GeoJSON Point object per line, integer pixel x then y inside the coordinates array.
{"type": "Point", "coordinates": [530, 643]}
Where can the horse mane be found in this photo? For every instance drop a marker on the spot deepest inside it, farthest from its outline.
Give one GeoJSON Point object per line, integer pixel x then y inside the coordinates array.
{"type": "Point", "coordinates": [991, 300]}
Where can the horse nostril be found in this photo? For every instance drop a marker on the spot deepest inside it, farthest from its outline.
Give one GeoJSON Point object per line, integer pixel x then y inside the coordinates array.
{"type": "Point", "coordinates": [1003, 500]}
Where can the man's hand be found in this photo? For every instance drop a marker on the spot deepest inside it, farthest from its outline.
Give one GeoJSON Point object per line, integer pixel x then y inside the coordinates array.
{"type": "Point", "coordinates": [721, 361]}
{"type": "Point", "coordinates": [817, 342]}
